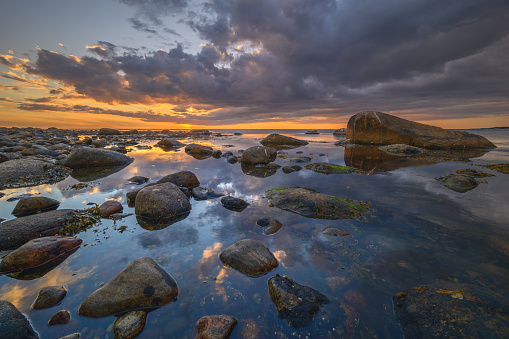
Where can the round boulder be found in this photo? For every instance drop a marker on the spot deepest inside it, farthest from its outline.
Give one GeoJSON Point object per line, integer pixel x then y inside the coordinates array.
{"type": "Point", "coordinates": [249, 257]}
{"type": "Point", "coordinates": [49, 296]}
{"type": "Point", "coordinates": [95, 157]}
{"type": "Point", "coordinates": [215, 327]}
{"type": "Point", "coordinates": [129, 325]}
{"type": "Point", "coordinates": [32, 205]}
{"type": "Point", "coordinates": [182, 179]}
{"type": "Point", "coordinates": [258, 155]}
{"type": "Point", "coordinates": [161, 201]}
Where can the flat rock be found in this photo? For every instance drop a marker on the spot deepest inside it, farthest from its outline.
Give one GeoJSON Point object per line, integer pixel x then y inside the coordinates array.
{"type": "Point", "coordinates": [282, 141]}
{"type": "Point", "coordinates": [13, 323]}
{"type": "Point", "coordinates": [138, 179]}
{"type": "Point", "coordinates": [32, 205]}
{"type": "Point", "coordinates": [401, 150]}
{"type": "Point", "coordinates": [377, 128]}
{"type": "Point", "coordinates": [258, 155]}
{"type": "Point", "coordinates": [49, 296]}
{"type": "Point", "coordinates": [169, 143]}
{"type": "Point", "coordinates": [313, 204]}
{"type": "Point", "coordinates": [110, 207]}
{"type": "Point", "coordinates": [294, 302]}
{"type": "Point", "coordinates": [161, 201]}
{"type": "Point", "coordinates": [129, 325]}
{"type": "Point", "coordinates": [215, 327]}
{"type": "Point", "coordinates": [204, 193]}
{"type": "Point", "coordinates": [30, 172]}
{"type": "Point", "coordinates": [249, 257]}
{"type": "Point", "coordinates": [327, 168]}
{"type": "Point", "coordinates": [71, 336]}
{"type": "Point", "coordinates": [108, 131]}
{"type": "Point", "coordinates": [270, 225]}
{"type": "Point", "coordinates": [37, 252]}
{"type": "Point", "coordinates": [199, 151]}
{"type": "Point", "coordinates": [335, 232]}
{"type": "Point", "coordinates": [60, 318]}
{"type": "Point", "coordinates": [85, 157]}
{"type": "Point", "coordinates": [182, 179]}
{"type": "Point", "coordinates": [234, 204]}
{"type": "Point", "coordinates": [458, 182]}
{"type": "Point", "coordinates": [142, 284]}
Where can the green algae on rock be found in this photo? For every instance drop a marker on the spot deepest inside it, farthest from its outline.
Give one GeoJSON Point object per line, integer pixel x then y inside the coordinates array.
{"type": "Point", "coordinates": [327, 168]}
{"type": "Point", "coordinates": [502, 168]}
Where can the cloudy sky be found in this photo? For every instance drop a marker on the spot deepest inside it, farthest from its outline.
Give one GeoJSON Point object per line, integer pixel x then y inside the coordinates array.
{"type": "Point", "coordinates": [252, 63]}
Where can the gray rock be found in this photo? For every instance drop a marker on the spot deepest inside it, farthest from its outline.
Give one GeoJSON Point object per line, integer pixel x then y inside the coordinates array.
{"type": "Point", "coordinates": [335, 232]}
{"type": "Point", "coordinates": [161, 201]}
{"type": "Point", "coordinates": [270, 225]}
{"type": "Point", "coordinates": [249, 257]}
{"type": "Point", "coordinates": [13, 323]}
{"type": "Point", "coordinates": [95, 157]}
{"type": "Point", "coordinates": [458, 182]}
{"type": "Point", "coordinates": [258, 155]}
{"type": "Point", "coordinates": [32, 205]}
{"type": "Point", "coordinates": [203, 193]}
{"type": "Point", "coordinates": [30, 172]}
{"type": "Point", "coordinates": [234, 204]}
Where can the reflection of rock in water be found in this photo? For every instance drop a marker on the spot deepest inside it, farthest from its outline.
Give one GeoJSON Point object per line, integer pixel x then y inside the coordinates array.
{"type": "Point", "coordinates": [159, 224]}
{"type": "Point", "coordinates": [40, 271]}
{"type": "Point", "coordinates": [94, 173]}
{"type": "Point", "coordinates": [260, 171]}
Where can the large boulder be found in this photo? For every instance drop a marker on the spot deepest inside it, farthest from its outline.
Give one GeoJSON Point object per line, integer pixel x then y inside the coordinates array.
{"type": "Point", "coordinates": [30, 172]}
{"type": "Point", "coordinates": [282, 141]}
{"type": "Point", "coordinates": [258, 155]}
{"type": "Point", "coordinates": [181, 179]}
{"type": "Point", "coordinates": [313, 204]}
{"type": "Point", "coordinates": [13, 323]}
{"type": "Point", "coordinates": [249, 257]}
{"type": "Point", "coordinates": [377, 128]}
{"type": "Point", "coordinates": [142, 284]}
{"type": "Point", "coordinates": [161, 201]}
{"type": "Point", "coordinates": [37, 252]}
{"type": "Point", "coordinates": [32, 205]}
{"type": "Point", "coordinates": [95, 157]}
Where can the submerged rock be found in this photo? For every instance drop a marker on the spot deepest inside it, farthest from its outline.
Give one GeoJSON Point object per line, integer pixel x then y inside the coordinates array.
{"type": "Point", "coordinates": [313, 204]}
{"type": "Point", "coordinates": [249, 257]}
{"type": "Point", "coordinates": [143, 283]}
{"type": "Point", "coordinates": [13, 323]}
{"type": "Point", "coordinates": [295, 303]}
{"type": "Point", "coordinates": [327, 168]}
{"type": "Point", "coordinates": [71, 336]}
{"type": "Point", "coordinates": [30, 172]}
{"type": "Point", "coordinates": [182, 179]}
{"type": "Point", "coordinates": [401, 150]}
{"type": "Point", "coordinates": [215, 327]}
{"type": "Point", "coordinates": [36, 252]}
{"type": "Point", "coordinates": [138, 179]}
{"type": "Point", "coordinates": [335, 232]}
{"type": "Point", "coordinates": [32, 205]}
{"type": "Point", "coordinates": [260, 171]}
{"type": "Point", "coordinates": [377, 128]}
{"type": "Point", "coordinates": [85, 157]}
{"type": "Point", "coordinates": [204, 193]}
{"type": "Point", "coordinates": [234, 204]}
{"type": "Point", "coordinates": [270, 225]}
{"type": "Point", "coordinates": [474, 173]}
{"type": "Point", "coordinates": [258, 155]}
{"type": "Point", "coordinates": [458, 182]}
{"type": "Point", "coordinates": [161, 201]}
{"type": "Point", "coordinates": [282, 141]}
{"type": "Point", "coordinates": [312, 131]}
{"type": "Point", "coordinates": [129, 325]}
{"type": "Point", "coordinates": [49, 296]}
{"type": "Point", "coordinates": [60, 318]}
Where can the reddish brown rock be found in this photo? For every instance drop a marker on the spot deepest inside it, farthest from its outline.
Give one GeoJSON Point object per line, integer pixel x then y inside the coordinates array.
{"type": "Point", "coordinates": [60, 318]}
{"type": "Point", "coordinates": [49, 296]}
{"type": "Point", "coordinates": [279, 141]}
{"type": "Point", "coordinates": [182, 179]}
{"type": "Point", "coordinates": [161, 201]}
{"type": "Point", "coordinates": [215, 327]}
{"type": "Point", "coordinates": [109, 207]}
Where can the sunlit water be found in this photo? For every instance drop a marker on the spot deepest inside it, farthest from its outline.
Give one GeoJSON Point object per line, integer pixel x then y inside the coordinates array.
{"type": "Point", "coordinates": [416, 231]}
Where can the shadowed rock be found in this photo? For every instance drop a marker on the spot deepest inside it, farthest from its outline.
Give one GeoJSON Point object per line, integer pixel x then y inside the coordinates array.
{"type": "Point", "coordinates": [129, 325]}
{"type": "Point", "coordinates": [138, 179]}
{"type": "Point", "coordinates": [168, 143]}
{"type": "Point", "coordinates": [182, 179]}
{"type": "Point", "coordinates": [458, 182]}
{"type": "Point", "coordinates": [327, 168]}
{"type": "Point", "coordinates": [86, 174]}
{"type": "Point", "coordinates": [335, 232]}
{"type": "Point", "coordinates": [34, 205]}
{"type": "Point", "coordinates": [258, 155]}
{"type": "Point", "coordinates": [13, 324]}
{"type": "Point", "coordinates": [199, 151]}
{"type": "Point", "coordinates": [95, 157]}
{"type": "Point", "coordinates": [108, 131]}
{"type": "Point", "coordinates": [204, 193]}
{"type": "Point", "coordinates": [249, 257]}
{"type": "Point", "coordinates": [60, 318]}
{"type": "Point", "coordinates": [30, 172]}
{"type": "Point", "coordinates": [215, 327]}
{"type": "Point", "coordinates": [150, 224]}
{"type": "Point", "coordinates": [279, 141]}
{"type": "Point", "coordinates": [234, 204]}
{"type": "Point", "coordinates": [49, 296]}
{"type": "Point", "coordinates": [131, 195]}
{"type": "Point", "coordinates": [109, 207]}
{"type": "Point", "coordinates": [142, 284]}
{"type": "Point", "coordinates": [161, 201]}
{"type": "Point", "coordinates": [260, 171]}
{"type": "Point", "coordinates": [269, 224]}
{"type": "Point", "coordinates": [401, 150]}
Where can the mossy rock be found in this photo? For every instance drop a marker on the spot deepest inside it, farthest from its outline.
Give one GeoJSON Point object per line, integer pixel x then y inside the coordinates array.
{"type": "Point", "coordinates": [326, 168]}
{"type": "Point", "coordinates": [458, 182]}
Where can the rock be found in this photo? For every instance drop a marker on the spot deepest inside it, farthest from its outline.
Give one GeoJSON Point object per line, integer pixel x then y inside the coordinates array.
{"type": "Point", "coordinates": [458, 182]}
{"type": "Point", "coordinates": [282, 141]}
{"type": "Point", "coordinates": [199, 132]}
{"type": "Point", "coordinates": [71, 336]}
{"type": "Point", "coordinates": [300, 160]}
{"type": "Point", "coordinates": [215, 327]}
{"type": "Point", "coordinates": [60, 318]}
{"type": "Point", "coordinates": [32, 205]}
{"type": "Point", "coordinates": [287, 169]}
{"type": "Point", "coordinates": [129, 325]}
{"type": "Point", "coordinates": [312, 131]}
{"type": "Point", "coordinates": [401, 150]}
{"type": "Point", "coordinates": [376, 128]}
{"type": "Point", "coordinates": [86, 174]}
{"type": "Point", "coordinates": [327, 168]}
{"type": "Point", "coordinates": [95, 157]}
{"type": "Point", "coordinates": [30, 172]}
{"type": "Point", "coordinates": [108, 131]}
{"type": "Point", "coordinates": [181, 179]}
{"type": "Point", "coordinates": [249, 257]}
{"type": "Point", "coordinates": [232, 159]}
{"type": "Point", "coordinates": [270, 225]}
{"type": "Point", "coordinates": [199, 151]}
{"type": "Point", "coordinates": [142, 284]}
{"type": "Point", "coordinates": [131, 195]}
{"type": "Point", "coordinates": [138, 179]}
{"type": "Point", "coordinates": [251, 330]}
{"type": "Point", "coordinates": [260, 171]}
{"type": "Point", "coordinates": [168, 143]}
{"type": "Point", "coordinates": [446, 309]}
{"type": "Point", "coordinates": [234, 204]}
{"type": "Point", "coordinates": [36, 252]}
{"type": "Point", "coordinates": [335, 232]}
{"type": "Point", "coordinates": [474, 173]}
{"type": "Point", "coordinates": [13, 324]}
{"type": "Point", "coordinates": [217, 154]}
{"type": "Point", "coordinates": [49, 296]}
{"type": "Point", "coordinates": [109, 207]}
{"type": "Point", "coordinates": [313, 204]}
{"type": "Point", "coordinates": [258, 155]}
{"type": "Point", "coordinates": [14, 233]}
{"type": "Point", "coordinates": [295, 303]}
{"type": "Point", "coordinates": [203, 193]}
{"type": "Point", "coordinates": [161, 201]}
{"type": "Point", "coordinates": [341, 131]}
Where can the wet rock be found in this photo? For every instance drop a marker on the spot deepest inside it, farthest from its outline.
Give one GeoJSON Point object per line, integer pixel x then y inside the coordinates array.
{"type": "Point", "coordinates": [203, 193]}
{"type": "Point", "coordinates": [108, 131]}
{"type": "Point", "coordinates": [295, 303]}
{"type": "Point", "coordinates": [341, 131]}
{"type": "Point", "coordinates": [215, 327]}
{"type": "Point", "coordinates": [131, 195]}
{"type": "Point", "coordinates": [129, 325]}
{"type": "Point", "coordinates": [49, 296]}
{"type": "Point", "coordinates": [199, 151]}
{"type": "Point", "coordinates": [446, 309]}
{"type": "Point", "coordinates": [458, 182]}
{"type": "Point", "coordinates": [159, 224]}
{"type": "Point", "coordinates": [14, 233]}
{"type": "Point", "coordinates": [181, 179]}
{"type": "Point", "coordinates": [502, 168]}
{"type": "Point", "coordinates": [71, 336]}
{"type": "Point", "coordinates": [32, 205]}
{"type": "Point", "coordinates": [279, 141]}
{"type": "Point", "coordinates": [335, 232]}
{"type": "Point", "coordinates": [377, 128]}
{"type": "Point", "coordinates": [327, 168]}
{"type": "Point", "coordinates": [401, 150]}
{"type": "Point", "coordinates": [232, 159]}
{"type": "Point", "coordinates": [143, 283]}
{"type": "Point", "coordinates": [287, 169]}
{"type": "Point", "coordinates": [30, 172]}
{"type": "Point", "coordinates": [161, 201]}
{"type": "Point", "coordinates": [234, 204]}
{"type": "Point", "coordinates": [474, 173]}
{"type": "Point", "coordinates": [85, 157]}
{"type": "Point", "coordinates": [313, 204]}
{"type": "Point", "coordinates": [110, 207]}
{"type": "Point", "coordinates": [60, 318]}
{"type": "Point", "coordinates": [217, 154]}
{"type": "Point", "coordinates": [138, 179]}
{"type": "Point", "coordinates": [87, 174]}
{"type": "Point", "coordinates": [199, 132]}
{"type": "Point", "coordinates": [251, 330]}
{"type": "Point", "coordinates": [312, 131]}
{"type": "Point", "coordinates": [13, 323]}
{"type": "Point", "coordinates": [249, 257]}
{"type": "Point", "coordinates": [258, 155]}
{"type": "Point", "coordinates": [168, 143]}
{"type": "Point", "coordinates": [270, 225]}
{"type": "Point", "coordinates": [36, 252]}
{"type": "Point", "coordinates": [300, 160]}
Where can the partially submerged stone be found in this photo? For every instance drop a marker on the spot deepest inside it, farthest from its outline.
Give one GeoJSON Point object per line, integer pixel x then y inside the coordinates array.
{"type": "Point", "coordinates": [282, 141]}
{"type": "Point", "coordinates": [49, 296]}
{"type": "Point", "coordinates": [32, 205]}
{"type": "Point", "coordinates": [142, 284]}
{"type": "Point", "coordinates": [502, 168]}
{"type": "Point", "coordinates": [60, 318]}
{"type": "Point", "coordinates": [161, 201]}
{"type": "Point", "coordinates": [249, 257]}
{"type": "Point", "coordinates": [474, 173]}
{"type": "Point", "coordinates": [458, 182]}
{"type": "Point", "coordinates": [204, 193]}
{"type": "Point", "coordinates": [110, 207]}
{"type": "Point", "coordinates": [335, 232]}
{"type": "Point", "coordinates": [95, 157]}
{"type": "Point", "coordinates": [30, 172]}
{"type": "Point", "coordinates": [199, 151]}
{"type": "Point", "coordinates": [270, 225]}
{"type": "Point", "coordinates": [258, 155]}
{"type": "Point", "coordinates": [129, 325]}
{"type": "Point", "coordinates": [13, 323]}
{"type": "Point", "coordinates": [169, 143]}
{"type": "Point", "coordinates": [138, 179]}
{"type": "Point", "coordinates": [182, 179]}
{"type": "Point", "coordinates": [401, 150]}
{"type": "Point", "coordinates": [294, 302]}
{"type": "Point", "coordinates": [313, 204]}
{"type": "Point", "coordinates": [215, 327]}
{"type": "Point", "coordinates": [234, 204]}
{"type": "Point", "coordinates": [327, 168]}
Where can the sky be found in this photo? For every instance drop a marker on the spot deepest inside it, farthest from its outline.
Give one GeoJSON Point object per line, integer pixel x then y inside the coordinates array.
{"type": "Point", "coordinates": [252, 63]}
